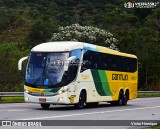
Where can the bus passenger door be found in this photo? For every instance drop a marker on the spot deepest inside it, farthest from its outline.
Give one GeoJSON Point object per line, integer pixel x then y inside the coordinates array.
{"type": "Point", "coordinates": [85, 81]}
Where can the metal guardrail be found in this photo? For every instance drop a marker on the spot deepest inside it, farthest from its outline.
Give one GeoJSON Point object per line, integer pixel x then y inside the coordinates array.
{"type": "Point", "coordinates": [148, 92]}
{"type": "Point", "coordinates": [11, 94]}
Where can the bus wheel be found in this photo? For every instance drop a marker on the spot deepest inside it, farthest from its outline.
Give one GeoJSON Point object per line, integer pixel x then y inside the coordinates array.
{"type": "Point", "coordinates": [124, 100]}
{"type": "Point", "coordinates": [121, 99]}
{"type": "Point", "coordinates": [45, 106]}
{"type": "Point", "coordinates": [92, 104]}
{"type": "Point", "coordinates": [82, 101]}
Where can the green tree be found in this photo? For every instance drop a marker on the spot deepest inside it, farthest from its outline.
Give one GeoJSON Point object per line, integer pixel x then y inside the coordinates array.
{"type": "Point", "coordinates": [10, 77]}
{"type": "Point", "coordinates": [40, 32]}
{"type": "Point", "coordinates": [148, 53]}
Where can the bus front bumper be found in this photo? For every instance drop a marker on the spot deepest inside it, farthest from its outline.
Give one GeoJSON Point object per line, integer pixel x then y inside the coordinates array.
{"type": "Point", "coordinates": [56, 99]}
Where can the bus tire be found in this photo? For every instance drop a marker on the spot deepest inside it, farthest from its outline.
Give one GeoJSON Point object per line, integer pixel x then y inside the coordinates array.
{"type": "Point", "coordinates": [124, 100]}
{"type": "Point", "coordinates": [82, 101]}
{"type": "Point", "coordinates": [120, 99]}
{"type": "Point", "coordinates": [94, 104]}
{"type": "Point", "coordinates": [45, 106]}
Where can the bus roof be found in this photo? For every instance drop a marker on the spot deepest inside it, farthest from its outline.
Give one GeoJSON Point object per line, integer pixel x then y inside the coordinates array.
{"type": "Point", "coordinates": [61, 46]}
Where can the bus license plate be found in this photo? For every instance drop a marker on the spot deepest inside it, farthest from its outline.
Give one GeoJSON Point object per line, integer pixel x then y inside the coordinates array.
{"type": "Point", "coordinates": [42, 100]}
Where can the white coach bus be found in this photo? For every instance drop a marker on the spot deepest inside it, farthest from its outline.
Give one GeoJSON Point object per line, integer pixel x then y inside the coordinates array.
{"type": "Point", "coordinates": [79, 73]}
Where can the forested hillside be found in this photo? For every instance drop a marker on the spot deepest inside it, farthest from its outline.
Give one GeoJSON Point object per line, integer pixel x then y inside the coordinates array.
{"type": "Point", "coordinates": [25, 23]}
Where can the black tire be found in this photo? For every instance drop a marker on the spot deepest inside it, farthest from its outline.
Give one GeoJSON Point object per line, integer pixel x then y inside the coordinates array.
{"type": "Point", "coordinates": [125, 99]}
{"type": "Point", "coordinates": [82, 101]}
{"type": "Point", "coordinates": [45, 106]}
{"type": "Point", "coordinates": [92, 104]}
{"type": "Point", "coordinates": [120, 99]}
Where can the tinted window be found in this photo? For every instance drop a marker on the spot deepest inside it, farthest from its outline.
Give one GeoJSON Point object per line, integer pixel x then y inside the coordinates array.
{"type": "Point", "coordinates": [87, 59]}
{"type": "Point", "coordinates": [111, 62]}
{"type": "Point", "coordinates": [73, 68]}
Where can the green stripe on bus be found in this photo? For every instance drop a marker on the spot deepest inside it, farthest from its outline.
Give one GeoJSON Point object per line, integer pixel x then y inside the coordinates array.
{"type": "Point", "coordinates": [97, 82]}
{"type": "Point", "coordinates": [52, 89]}
{"type": "Point", "coordinates": [101, 82]}
{"type": "Point", "coordinates": [105, 83]}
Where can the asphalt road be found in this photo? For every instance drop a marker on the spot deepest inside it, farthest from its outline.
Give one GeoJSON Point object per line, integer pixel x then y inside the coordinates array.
{"type": "Point", "coordinates": [138, 109]}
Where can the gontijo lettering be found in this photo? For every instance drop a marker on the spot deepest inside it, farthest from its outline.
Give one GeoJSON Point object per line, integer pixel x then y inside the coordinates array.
{"type": "Point", "coordinates": [120, 77]}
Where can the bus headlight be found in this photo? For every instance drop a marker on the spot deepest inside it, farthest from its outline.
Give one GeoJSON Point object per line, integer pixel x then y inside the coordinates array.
{"type": "Point", "coordinates": [63, 90]}
{"type": "Point", "coordinates": [26, 91]}
{"type": "Point", "coordinates": [27, 99]}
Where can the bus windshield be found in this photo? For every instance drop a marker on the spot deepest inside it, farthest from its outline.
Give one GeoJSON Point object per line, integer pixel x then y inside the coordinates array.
{"type": "Point", "coordinates": [46, 70]}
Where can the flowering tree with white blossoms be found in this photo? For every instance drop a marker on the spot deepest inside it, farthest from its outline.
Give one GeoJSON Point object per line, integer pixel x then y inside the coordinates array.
{"type": "Point", "coordinates": [88, 34]}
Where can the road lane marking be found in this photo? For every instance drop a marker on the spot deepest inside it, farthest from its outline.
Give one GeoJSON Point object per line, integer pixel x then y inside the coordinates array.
{"type": "Point", "coordinates": [14, 110]}
{"type": "Point", "coordinates": [146, 99]}
{"type": "Point", "coordinates": [16, 105]}
{"type": "Point", "coordinates": [133, 102]}
{"type": "Point", "coordinates": [91, 113]}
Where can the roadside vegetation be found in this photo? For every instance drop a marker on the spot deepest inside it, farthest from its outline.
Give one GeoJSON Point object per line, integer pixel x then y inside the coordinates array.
{"type": "Point", "coordinates": [154, 127]}
{"type": "Point", "coordinates": [12, 100]}
{"type": "Point", "coordinates": [147, 95]}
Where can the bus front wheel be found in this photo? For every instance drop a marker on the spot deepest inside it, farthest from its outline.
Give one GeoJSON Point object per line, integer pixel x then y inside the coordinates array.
{"type": "Point", "coordinates": [45, 106]}
{"type": "Point", "coordinates": [82, 101]}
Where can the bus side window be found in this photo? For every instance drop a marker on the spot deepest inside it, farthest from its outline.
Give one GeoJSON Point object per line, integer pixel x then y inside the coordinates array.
{"type": "Point", "coordinates": [114, 67]}
{"type": "Point", "coordinates": [104, 62]}
{"type": "Point", "coordinates": [133, 65]}
{"type": "Point", "coordinates": [96, 60]}
{"type": "Point", "coordinates": [87, 60]}
{"type": "Point", "coordinates": [126, 65]}
{"type": "Point", "coordinates": [109, 61]}
{"type": "Point", "coordinates": [72, 70]}
{"type": "Point", "coordinates": [119, 64]}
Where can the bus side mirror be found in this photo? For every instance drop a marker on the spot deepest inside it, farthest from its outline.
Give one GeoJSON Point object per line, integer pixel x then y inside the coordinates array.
{"type": "Point", "coordinates": [20, 62]}
{"type": "Point", "coordinates": [72, 58]}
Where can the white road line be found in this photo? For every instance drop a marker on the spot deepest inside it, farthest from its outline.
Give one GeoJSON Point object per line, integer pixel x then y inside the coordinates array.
{"type": "Point", "coordinates": [147, 98]}
{"type": "Point", "coordinates": [133, 102]}
{"type": "Point", "coordinates": [17, 104]}
{"type": "Point", "coordinates": [91, 113]}
{"type": "Point", "coordinates": [15, 110]}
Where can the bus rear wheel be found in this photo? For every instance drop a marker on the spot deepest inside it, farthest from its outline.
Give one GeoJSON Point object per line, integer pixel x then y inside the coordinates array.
{"type": "Point", "coordinates": [126, 98]}
{"type": "Point", "coordinates": [82, 101]}
{"type": "Point", "coordinates": [45, 106]}
{"type": "Point", "coordinates": [120, 101]}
